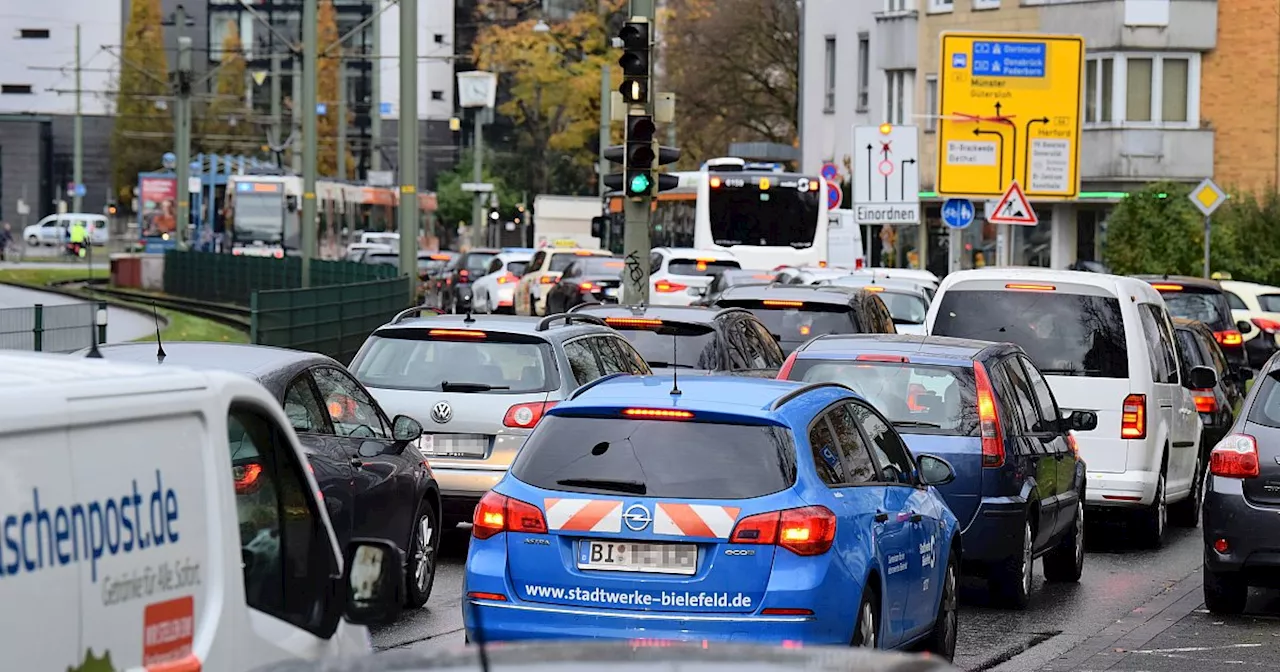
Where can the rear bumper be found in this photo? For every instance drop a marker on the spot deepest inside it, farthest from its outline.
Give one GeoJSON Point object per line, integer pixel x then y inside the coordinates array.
{"type": "Point", "coordinates": [995, 533]}
{"type": "Point", "coordinates": [1251, 530]}
{"type": "Point", "coordinates": [1127, 490]}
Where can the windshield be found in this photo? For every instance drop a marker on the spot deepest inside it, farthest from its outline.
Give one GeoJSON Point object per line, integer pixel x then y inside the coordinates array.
{"type": "Point", "coordinates": [797, 325]}
{"type": "Point", "coordinates": [924, 399]}
{"type": "Point", "coordinates": [778, 217]}
{"type": "Point", "coordinates": [657, 458]}
{"type": "Point", "coordinates": [1065, 334]}
{"type": "Point", "coordinates": [703, 267]}
{"type": "Point", "coordinates": [559, 262]}
{"type": "Point", "coordinates": [694, 346]}
{"type": "Point", "coordinates": [258, 217]}
{"type": "Point", "coordinates": [905, 308]}
{"type": "Point", "coordinates": [412, 361]}
{"type": "Point", "coordinates": [1208, 307]}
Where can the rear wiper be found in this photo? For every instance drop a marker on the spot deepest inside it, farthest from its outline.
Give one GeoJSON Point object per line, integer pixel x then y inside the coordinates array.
{"type": "Point", "coordinates": [632, 487]}
{"type": "Point", "coordinates": [669, 365]}
{"type": "Point", "coordinates": [916, 423]}
{"type": "Point", "coordinates": [447, 386]}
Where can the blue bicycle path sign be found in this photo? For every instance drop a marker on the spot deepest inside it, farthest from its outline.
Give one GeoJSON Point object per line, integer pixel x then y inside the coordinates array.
{"type": "Point", "coordinates": [958, 213]}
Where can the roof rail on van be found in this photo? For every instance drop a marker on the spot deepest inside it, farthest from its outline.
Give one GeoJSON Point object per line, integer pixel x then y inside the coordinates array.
{"type": "Point", "coordinates": [549, 320]}
{"type": "Point", "coordinates": [415, 311]}
{"type": "Point", "coordinates": [782, 401]}
{"type": "Point", "coordinates": [593, 383]}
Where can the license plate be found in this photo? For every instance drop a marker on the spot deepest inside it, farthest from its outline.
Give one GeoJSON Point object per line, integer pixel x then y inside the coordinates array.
{"type": "Point", "coordinates": [454, 445]}
{"type": "Point", "coordinates": [611, 291]}
{"type": "Point", "coordinates": [629, 556]}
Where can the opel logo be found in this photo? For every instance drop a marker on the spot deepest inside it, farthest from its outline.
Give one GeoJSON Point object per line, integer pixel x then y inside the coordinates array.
{"type": "Point", "coordinates": [637, 517]}
{"type": "Point", "coordinates": [442, 413]}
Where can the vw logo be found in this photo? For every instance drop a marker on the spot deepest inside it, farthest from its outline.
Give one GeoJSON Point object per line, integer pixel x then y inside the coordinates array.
{"type": "Point", "coordinates": [442, 413]}
{"type": "Point", "coordinates": [636, 517]}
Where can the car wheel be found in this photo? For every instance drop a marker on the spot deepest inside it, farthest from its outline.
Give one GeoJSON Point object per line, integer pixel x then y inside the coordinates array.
{"type": "Point", "coordinates": [1065, 563]}
{"type": "Point", "coordinates": [424, 544]}
{"type": "Point", "coordinates": [1151, 522]}
{"type": "Point", "coordinates": [1012, 579]}
{"type": "Point", "coordinates": [866, 632]}
{"type": "Point", "coordinates": [946, 624]}
{"type": "Point", "coordinates": [33, 241]}
{"type": "Point", "coordinates": [1224, 593]}
{"type": "Point", "coordinates": [1187, 512]}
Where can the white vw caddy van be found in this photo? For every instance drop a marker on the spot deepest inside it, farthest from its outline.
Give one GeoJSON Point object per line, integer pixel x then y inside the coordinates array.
{"type": "Point", "coordinates": [165, 519]}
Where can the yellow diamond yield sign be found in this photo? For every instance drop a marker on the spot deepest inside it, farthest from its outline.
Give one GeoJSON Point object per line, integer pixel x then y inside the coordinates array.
{"type": "Point", "coordinates": [1208, 197]}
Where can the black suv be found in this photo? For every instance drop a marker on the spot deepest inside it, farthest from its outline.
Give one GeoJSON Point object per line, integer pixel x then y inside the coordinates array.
{"type": "Point", "coordinates": [1217, 404]}
{"type": "Point", "coordinates": [1205, 301]}
{"type": "Point", "coordinates": [465, 269]}
{"type": "Point", "coordinates": [714, 340]}
{"type": "Point", "coordinates": [796, 313]}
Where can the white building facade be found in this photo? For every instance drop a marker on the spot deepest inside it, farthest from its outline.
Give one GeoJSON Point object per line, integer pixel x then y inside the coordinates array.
{"type": "Point", "coordinates": [436, 81]}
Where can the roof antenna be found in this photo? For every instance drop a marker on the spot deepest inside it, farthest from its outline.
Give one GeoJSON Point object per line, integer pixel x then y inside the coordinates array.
{"type": "Point", "coordinates": [469, 319]}
{"type": "Point", "coordinates": [159, 346]}
{"type": "Point", "coordinates": [94, 353]}
{"type": "Point", "coordinates": [675, 366]}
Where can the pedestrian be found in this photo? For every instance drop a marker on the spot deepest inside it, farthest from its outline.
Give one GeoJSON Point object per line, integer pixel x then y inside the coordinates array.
{"type": "Point", "coordinates": [6, 239]}
{"type": "Point", "coordinates": [79, 234]}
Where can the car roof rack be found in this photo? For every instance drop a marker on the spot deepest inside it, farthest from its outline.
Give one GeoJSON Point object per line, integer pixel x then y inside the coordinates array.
{"type": "Point", "coordinates": [593, 383]}
{"type": "Point", "coordinates": [414, 311]}
{"type": "Point", "coordinates": [782, 401]}
{"type": "Point", "coordinates": [568, 319]}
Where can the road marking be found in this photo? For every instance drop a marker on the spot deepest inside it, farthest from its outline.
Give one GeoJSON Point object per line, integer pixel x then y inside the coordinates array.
{"type": "Point", "coordinates": [1196, 649]}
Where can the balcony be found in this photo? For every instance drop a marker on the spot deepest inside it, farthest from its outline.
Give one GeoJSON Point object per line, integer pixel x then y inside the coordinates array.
{"type": "Point", "coordinates": [1110, 25]}
{"type": "Point", "coordinates": [896, 40]}
{"type": "Point", "coordinates": [1144, 154]}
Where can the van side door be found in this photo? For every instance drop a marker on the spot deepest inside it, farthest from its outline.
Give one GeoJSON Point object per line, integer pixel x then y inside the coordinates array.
{"type": "Point", "coordinates": [1163, 419]}
{"type": "Point", "coordinates": [1053, 439]}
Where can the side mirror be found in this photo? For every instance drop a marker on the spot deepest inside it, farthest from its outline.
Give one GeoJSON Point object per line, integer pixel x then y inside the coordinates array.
{"type": "Point", "coordinates": [374, 581]}
{"type": "Point", "coordinates": [1202, 378]}
{"type": "Point", "coordinates": [405, 428]}
{"type": "Point", "coordinates": [1082, 421]}
{"type": "Point", "coordinates": [935, 470]}
{"type": "Point", "coordinates": [1244, 326]}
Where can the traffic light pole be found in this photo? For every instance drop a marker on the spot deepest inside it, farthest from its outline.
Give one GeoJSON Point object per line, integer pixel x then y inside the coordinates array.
{"type": "Point", "coordinates": [307, 225]}
{"type": "Point", "coordinates": [637, 211]}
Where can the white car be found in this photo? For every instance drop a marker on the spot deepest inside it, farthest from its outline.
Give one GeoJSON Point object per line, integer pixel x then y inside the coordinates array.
{"type": "Point", "coordinates": [1105, 344]}
{"type": "Point", "coordinates": [495, 291]}
{"type": "Point", "coordinates": [808, 275]}
{"type": "Point", "coordinates": [56, 229]}
{"type": "Point", "coordinates": [925, 280]}
{"type": "Point", "coordinates": [1258, 307]}
{"type": "Point", "coordinates": [679, 276]}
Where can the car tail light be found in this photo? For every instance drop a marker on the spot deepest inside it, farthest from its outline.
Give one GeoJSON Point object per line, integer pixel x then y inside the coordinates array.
{"type": "Point", "coordinates": [246, 477]}
{"type": "Point", "coordinates": [464, 273]}
{"type": "Point", "coordinates": [786, 367]}
{"type": "Point", "coordinates": [632, 322]}
{"type": "Point", "coordinates": [895, 359]}
{"type": "Point", "coordinates": [1269, 326]}
{"type": "Point", "coordinates": [1229, 337]}
{"type": "Point", "coordinates": [1030, 288]}
{"type": "Point", "coordinates": [507, 278]}
{"type": "Point", "coordinates": [1206, 401]}
{"type": "Point", "coordinates": [1235, 456]}
{"type": "Point", "coordinates": [525, 416]}
{"type": "Point", "coordinates": [1133, 417]}
{"type": "Point", "coordinates": [988, 419]}
{"type": "Point", "coordinates": [456, 333]}
{"type": "Point", "coordinates": [808, 530]}
{"type": "Point", "coordinates": [657, 414]}
{"type": "Point", "coordinates": [498, 513]}
{"type": "Point", "coordinates": [1166, 287]}
{"type": "Point", "coordinates": [668, 287]}
{"type": "Point", "coordinates": [774, 303]}
{"type": "Point", "coordinates": [587, 287]}
{"type": "Point", "coordinates": [822, 264]}
{"type": "Point", "coordinates": [547, 280]}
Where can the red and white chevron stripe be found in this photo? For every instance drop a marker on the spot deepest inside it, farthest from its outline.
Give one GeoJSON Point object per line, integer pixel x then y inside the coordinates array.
{"type": "Point", "coordinates": [695, 520]}
{"type": "Point", "coordinates": [583, 515]}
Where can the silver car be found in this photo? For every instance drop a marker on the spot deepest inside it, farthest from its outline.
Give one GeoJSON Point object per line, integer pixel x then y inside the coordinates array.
{"type": "Point", "coordinates": [478, 385]}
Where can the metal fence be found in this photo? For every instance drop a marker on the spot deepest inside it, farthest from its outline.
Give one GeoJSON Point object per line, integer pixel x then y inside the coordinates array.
{"type": "Point", "coordinates": [333, 320]}
{"type": "Point", "coordinates": [40, 328]}
{"type": "Point", "coordinates": [229, 278]}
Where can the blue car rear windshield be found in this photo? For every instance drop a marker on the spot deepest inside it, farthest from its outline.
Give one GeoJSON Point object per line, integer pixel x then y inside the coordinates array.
{"type": "Point", "coordinates": [657, 458]}
{"type": "Point", "coordinates": [916, 398]}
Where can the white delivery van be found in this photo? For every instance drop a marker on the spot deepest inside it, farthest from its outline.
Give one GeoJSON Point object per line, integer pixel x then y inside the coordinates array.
{"type": "Point", "coordinates": [164, 519]}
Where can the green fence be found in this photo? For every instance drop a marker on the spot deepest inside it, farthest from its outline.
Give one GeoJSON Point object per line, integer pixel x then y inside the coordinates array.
{"type": "Point", "coordinates": [332, 320]}
{"type": "Point", "coordinates": [40, 328]}
{"type": "Point", "coordinates": [228, 278]}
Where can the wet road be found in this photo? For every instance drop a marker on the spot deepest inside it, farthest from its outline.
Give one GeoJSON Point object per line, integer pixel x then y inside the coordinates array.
{"type": "Point", "coordinates": [122, 325]}
{"type": "Point", "coordinates": [1117, 580]}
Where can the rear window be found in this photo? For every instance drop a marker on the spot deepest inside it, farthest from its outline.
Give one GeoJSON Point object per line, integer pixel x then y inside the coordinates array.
{"type": "Point", "coordinates": [905, 308]}
{"type": "Point", "coordinates": [790, 324]}
{"type": "Point", "coordinates": [602, 266]}
{"type": "Point", "coordinates": [478, 262]}
{"type": "Point", "coordinates": [701, 266]}
{"type": "Point", "coordinates": [430, 265]}
{"type": "Point", "coordinates": [1270, 303]}
{"type": "Point", "coordinates": [1065, 334]}
{"type": "Point", "coordinates": [1266, 405]}
{"type": "Point", "coordinates": [559, 262]}
{"type": "Point", "coordinates": [516, 267]}
{"type": "Point", "coordinates": [694, 346]}
{"type": "Point", "coordinates": [918, 398]}
{"type": "Point", "coordinates": [382, 258]}
{"type": "Point", "coordinates": [415, 360]}
{"type": "Point", "coordinates": [657, 458]}
{"type": "Point", "coordinates": [1208, 307]}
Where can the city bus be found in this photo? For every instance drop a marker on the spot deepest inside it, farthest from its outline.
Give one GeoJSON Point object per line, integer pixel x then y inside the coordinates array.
{"type": "Point", "coordinates": [765, 217]}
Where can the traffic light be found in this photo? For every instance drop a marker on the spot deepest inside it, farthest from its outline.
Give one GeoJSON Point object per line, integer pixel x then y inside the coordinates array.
{"type": "Point", "coordinates": [635, 62]}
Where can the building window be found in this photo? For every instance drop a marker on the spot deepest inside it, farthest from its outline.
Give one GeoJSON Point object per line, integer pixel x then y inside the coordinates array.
{"type": "Point", "coordinates": [437, 95]}
{"type": "Point", "coordinates": [864, 71]}
{"type": "Point", "coordinates": [897, 95]}
{"type": "Point", "coordinates": [33, 34]}
{"type": "Point", "coordinates": [941, 5]}
{"type": "Point", "coordinates": [897, 5]}
{"type": "Point", "coordinates": [15, 88]}
{"type": "Point", "coordinates": [829, 74]}
{"type": "Point", "coordinates": [985, 4]}
{"type": "Point", "coordinates": [1143, 89]}
{"type": "Point", "coordinates": [930, 103]}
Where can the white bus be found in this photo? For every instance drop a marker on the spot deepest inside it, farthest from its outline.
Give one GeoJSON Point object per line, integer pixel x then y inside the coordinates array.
{"type": "Point", "coordinates": [763, 216]}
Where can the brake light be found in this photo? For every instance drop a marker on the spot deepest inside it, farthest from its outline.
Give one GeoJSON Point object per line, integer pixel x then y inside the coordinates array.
{"type": "Point", "coordinates": [774, 303]}
{"type": "Point", "coordinates": [657, 413]}
{"type": "Point", "coordinates": [1235, 456]}
{"type": "Point", "coordinates": [632, 322]}
{"type": "Point", "coordinates": [808, 530]}
{"type": "Point", "coordinates": [587, 287]}
{"type": "Point", "coordinates": [1269, 326]}
{"type": "Point", "coordinates": [1230, 337]}
{"type": "Point", "coordinates": [583, 253]}
{"type": "Point", "coordinates": [456, 333]}
{"type": "Point", "coordinates": [246, 477]}
{"type": "Point", "coordinates": [1167, 287]}
{"type": "Point", "coordinates": [498, 513]}
{"type": "Point", "coordinates": [822, 264]}
{"type": "Point", "coordinates": [440, 257]}
{"type": "Point", "coordinates": [1031, 288]}
{"type": "Point", "coordinates": [1133, 417]}
{"type": "Point", "coordinates": [874, 288]}
{"type": "Point", "coordinates": [547, 280]}
{"type": "Point", "coordinates": [786, 367]}
{"type": "Point", "coordinates": [525, 416]}
{"type": "Point", "coordinates": [507, 278]}
{"type": "Point", "coordinates": [988, 419]}
{"type": "Point", "coordinates": [1206, 401]}
{"type": "Point", "coordinates": [668, 287]}
{"type": "Point", "coordinates": [896, 359]}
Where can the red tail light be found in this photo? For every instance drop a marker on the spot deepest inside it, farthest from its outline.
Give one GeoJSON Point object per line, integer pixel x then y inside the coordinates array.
{"type": "Point", "coordinates": [525, 416]}
{"type": "Point", "coordinates": [507, 278]}
{"type": "Point", "coordinates": [669, 287]}
{"type": "Point", "coordinates": [786, 367]}
{"type": "Point", "coordinates": [1235, 456]}
{"type": "Point", "coordinates": [1269, 326]}
{"type": "Point", "coordinates": [1133, 417]}
{"type": "Point", "coordinates": [808, 530]}
{"type": "Point", "coordinates": [548, 280]}
{"type": "Point", "coordinates": [464, 273]}
{"type": "Point", "coordinates": [1206, 401]}
{"type": "Point", "coordinates": [1230, 337]}
{"type": "Point", "coordinates": [587, 287]}
{"type": "Point", "coordinates": [498, 513]}
{"type": "Point", "coordinates": [988, 419]}
{"type": "Point", "coordinates": [246, 477]}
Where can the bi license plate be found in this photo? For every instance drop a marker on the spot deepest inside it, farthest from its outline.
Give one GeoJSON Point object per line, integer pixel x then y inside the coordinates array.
{"type": "Point", "coordinates": [454, 445]}
{"type": "Point", "coordinates": [629, 556]}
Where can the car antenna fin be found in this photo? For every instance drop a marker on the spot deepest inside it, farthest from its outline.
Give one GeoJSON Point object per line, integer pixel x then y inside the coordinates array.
{"type": "Point", "coordinates": [159, 344]}
{"type": "Point", "coordinates": [675, 366]}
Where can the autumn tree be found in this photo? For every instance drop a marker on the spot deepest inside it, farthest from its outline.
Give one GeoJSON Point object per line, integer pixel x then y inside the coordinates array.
{"type": "Point", "coordinates": [551, 88]}
{"type": "Point", "coordinates": [226, 127]}
{"type": "Point", "coordinates": [327, 89]}
{"type": "Point", "coordinates": [144, 124]}
{"type": "Point", "coordinates": [735, 70]}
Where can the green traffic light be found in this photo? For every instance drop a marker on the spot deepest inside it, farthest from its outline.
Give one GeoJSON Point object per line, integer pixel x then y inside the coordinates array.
{"type": "Point", "coordinates": [640, 184]}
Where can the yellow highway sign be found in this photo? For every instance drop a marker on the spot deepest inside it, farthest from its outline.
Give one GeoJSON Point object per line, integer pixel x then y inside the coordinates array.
{"type": "Point", "coordinates": [1010, 110]}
